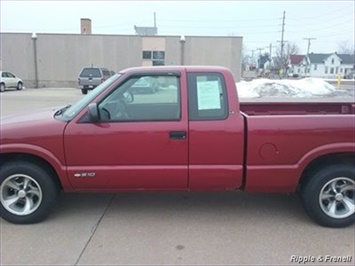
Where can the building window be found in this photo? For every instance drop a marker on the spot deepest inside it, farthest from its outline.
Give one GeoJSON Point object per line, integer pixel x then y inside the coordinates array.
{"type": "Point", "coordinates": [326, 70]}
{"type": "Point", "coordinates": [332, 70]}
{"type": "Point", "coordinates": [337, 70]}
{"type": "Point", "coordinates": [157, 57]}
{"type": "Point", "coordinates": [298, 70]}
{"type": "Point", "coordinates": [147, 55]}
{"type": "Point", "coordinates": [333, 61]}
{"type": "Point", "coordinates": [341, 70]}
{"type": "Point", "coordinates": [315, 67]}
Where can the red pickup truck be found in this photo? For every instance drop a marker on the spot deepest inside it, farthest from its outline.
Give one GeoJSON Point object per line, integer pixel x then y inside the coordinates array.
{"type": "Point", "coordinates": [193, 134]}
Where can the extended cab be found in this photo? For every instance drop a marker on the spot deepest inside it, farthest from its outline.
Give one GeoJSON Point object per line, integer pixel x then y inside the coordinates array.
{"type": "Point", "coordinates": [191, 135]}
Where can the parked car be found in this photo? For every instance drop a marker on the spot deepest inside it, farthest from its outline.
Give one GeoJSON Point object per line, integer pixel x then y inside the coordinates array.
{"type": "Point", "coordinates": [91, 77]}
{"type": "Point", "coordinates": [9, 80]}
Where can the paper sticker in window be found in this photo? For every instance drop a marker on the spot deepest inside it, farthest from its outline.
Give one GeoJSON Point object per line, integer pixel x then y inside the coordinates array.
{"type": "Point", "coordinates": [208, 95]}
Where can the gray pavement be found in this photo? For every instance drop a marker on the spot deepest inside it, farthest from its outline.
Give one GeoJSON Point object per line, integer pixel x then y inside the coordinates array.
{"type": "Point", "coordinates": [164, 228]}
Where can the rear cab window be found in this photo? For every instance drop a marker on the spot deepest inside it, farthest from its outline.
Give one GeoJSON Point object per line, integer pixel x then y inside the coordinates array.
{"type": "Point", "coordinates": [93, 72]}
{"type": "Point", "coordinates": [207, 96]}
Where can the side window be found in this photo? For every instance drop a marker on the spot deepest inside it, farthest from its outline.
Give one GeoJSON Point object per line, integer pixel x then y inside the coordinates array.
{"type": "Point", "coordinates": [105, 73]}
{"type": "Point", "coordinates": [143, 98]}
{"type": "Point", "coordinates": [4, 75]}
{"type": "Point", "coordinates": [10, 75]}
{"type": "Point", "coordinates": [207, 97]}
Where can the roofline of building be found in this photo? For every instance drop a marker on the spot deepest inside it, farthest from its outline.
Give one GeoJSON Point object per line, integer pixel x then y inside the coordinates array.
{"type": "Point", "coordinates": [125, 35]}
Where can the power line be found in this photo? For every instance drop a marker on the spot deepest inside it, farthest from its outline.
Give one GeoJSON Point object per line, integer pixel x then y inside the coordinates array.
{"type": "Point", "coordinates": [325, 14]}
{"type": "Point", "coordinates": [322, 27]}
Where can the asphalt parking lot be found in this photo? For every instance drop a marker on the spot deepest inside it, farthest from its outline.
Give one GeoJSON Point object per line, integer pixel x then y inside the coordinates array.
{"type": "Point", "coordinates": [164, 228]}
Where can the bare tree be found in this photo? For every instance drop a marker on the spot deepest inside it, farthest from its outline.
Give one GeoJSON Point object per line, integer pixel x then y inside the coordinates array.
{"type": "Point", "coordinates": [346, 47]}
{"type": "Point", "coordinates": [281, 60]}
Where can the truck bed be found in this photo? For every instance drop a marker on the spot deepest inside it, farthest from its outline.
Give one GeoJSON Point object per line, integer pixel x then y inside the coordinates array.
{"type": "Point", "coordinates": [296, 108]}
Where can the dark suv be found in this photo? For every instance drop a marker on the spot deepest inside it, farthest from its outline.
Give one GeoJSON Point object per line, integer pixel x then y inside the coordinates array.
{"type": "Point", "coordinates": [91, 77]}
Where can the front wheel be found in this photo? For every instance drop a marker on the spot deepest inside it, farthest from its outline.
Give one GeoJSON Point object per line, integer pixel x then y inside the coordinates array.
{"type": "Point", "coordinates": [328, 196]}
{"type": "Point", "coordinates": [19, 86]}
{"type": "Point", "coordinates": [27, 192]}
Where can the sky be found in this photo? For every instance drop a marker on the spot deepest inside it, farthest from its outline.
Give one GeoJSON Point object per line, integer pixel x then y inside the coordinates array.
{"type": "Point", "coordinates": [331, 23]}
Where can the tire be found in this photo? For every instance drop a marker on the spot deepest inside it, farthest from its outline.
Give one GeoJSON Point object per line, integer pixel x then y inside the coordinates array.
{"type": "Point", "coordinates": [2, 87]}
{"type": "Point", "coordinates": [19, 86]}
{"type": "Point", "coordinates": [27, 192]}
{"type": "Point", "coordinates": [328, 196]}
{"type": "Point", "coordinates": [84, 91]}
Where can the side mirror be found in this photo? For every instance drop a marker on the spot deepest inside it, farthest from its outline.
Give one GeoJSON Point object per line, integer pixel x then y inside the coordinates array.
{"type": "Point", "coordinates": [93, 112]}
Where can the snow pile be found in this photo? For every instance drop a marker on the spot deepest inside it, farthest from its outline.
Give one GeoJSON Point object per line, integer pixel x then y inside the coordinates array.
{"type": "Point", "coordinates": [303, 88]}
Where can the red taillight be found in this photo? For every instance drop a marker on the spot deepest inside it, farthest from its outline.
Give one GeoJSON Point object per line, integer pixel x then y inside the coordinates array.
{"type": "Point", "coordinates": [103, 80]}
{"type": "Point", "coordinates": [78, 80]}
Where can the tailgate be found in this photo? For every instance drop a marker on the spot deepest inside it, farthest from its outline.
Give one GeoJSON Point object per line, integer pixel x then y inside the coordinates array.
{"type": "Point", "coordinates": [84, 81]}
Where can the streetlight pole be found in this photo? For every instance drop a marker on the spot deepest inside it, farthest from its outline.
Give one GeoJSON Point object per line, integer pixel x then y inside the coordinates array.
{"type": "Point", "coordinates": [182, 44]}
{"type": "Point", "coordinates": [34, 38]}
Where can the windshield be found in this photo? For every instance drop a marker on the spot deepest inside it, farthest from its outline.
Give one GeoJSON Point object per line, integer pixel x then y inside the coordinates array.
{"type": "Point", "coordinates": [73, 110]}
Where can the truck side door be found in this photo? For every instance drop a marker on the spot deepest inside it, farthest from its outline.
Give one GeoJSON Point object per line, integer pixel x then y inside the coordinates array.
{"type": "Point", "coordinates": [216, 133]}
{"type": "Point", "coordinates": [140, 141]}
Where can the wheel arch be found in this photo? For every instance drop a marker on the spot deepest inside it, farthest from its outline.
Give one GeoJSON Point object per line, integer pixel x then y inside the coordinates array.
{"type": "Point", "coordinates": [319, 162]}
{"type": "Point", "coordinates": [38, 160]}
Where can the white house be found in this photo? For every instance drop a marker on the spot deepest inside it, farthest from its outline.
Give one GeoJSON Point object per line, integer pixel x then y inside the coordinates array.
{"type": "Point", "coordinates": [330, 65]}
{"type": "Point", "coordinates": [324, 65]}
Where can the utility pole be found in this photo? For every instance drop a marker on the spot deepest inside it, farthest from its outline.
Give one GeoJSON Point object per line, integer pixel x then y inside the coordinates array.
{"type": "Point", "coordinates": [270, 49]}
{"type": "Point", "coordinates": [252, 56]}
{"type": "Point", "coordinates": [309, 43]}
{"type": "Point", "coordinates": [282, 34]}
{"type": "Point", "coordinates": [308, 47]}
{"type": "Point", "coordinates": [282, 60]}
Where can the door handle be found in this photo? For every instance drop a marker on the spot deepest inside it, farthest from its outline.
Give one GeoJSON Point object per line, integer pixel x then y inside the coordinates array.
{"type": "Point", "coordinates": [177, 134]}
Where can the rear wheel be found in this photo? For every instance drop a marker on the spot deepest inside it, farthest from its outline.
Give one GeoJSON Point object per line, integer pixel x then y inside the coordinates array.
{"type": "Point", "coordinates": [328, 196]}
{"type": "Point", "coordinates": [84, 91]}
{"type": "Point", "coordinates": [27, 192]}
{"type": "Point", "coordinates": [2, 87]}
{"type": "Point", "coordinates": [19, 86]}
